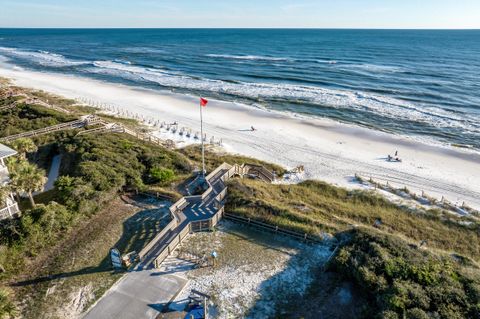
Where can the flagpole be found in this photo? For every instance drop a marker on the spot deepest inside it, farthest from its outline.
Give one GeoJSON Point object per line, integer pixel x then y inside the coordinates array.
{"type": "Point", "coordinates": [201, 137]}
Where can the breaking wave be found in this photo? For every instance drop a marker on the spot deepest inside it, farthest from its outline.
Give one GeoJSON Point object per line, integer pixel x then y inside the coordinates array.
{"type": "Point", "coordinates": [388, 107]}
{"type": "Point", "coordinates": [248, 57]}
{"type": "Point", "coordinates": [40, 57]}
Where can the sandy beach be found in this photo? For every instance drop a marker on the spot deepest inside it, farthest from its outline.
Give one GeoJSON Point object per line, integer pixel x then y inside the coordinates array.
{"type": "Point", "coordinates": [329, 151]}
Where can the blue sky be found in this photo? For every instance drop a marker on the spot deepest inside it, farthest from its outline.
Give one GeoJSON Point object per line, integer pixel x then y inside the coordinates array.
{"type": "Point", "coordinates": [242, 13]}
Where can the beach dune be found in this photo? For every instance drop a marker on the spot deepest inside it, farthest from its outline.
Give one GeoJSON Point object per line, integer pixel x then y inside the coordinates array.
{"type": "Point", "coordinates": [329, 151]}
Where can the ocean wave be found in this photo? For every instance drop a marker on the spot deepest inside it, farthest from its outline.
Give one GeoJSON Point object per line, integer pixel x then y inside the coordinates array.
{"type": "Point", "coordinates": [326, 61]}
{"type": "Point", "coordinates": [248, 57]}
{"type": "Point", "coordinates": [377, 105]}
{"type": "Point", "coordinates": [123, 61]}
{"type": "Point", "coordinates": [142, 50]}
{"type": "Point", "coordinates": [128, 68]}
{"type": "Point", "coordinates": [372, 68]}
{"type": "Point", "coordinates": [40, 57]}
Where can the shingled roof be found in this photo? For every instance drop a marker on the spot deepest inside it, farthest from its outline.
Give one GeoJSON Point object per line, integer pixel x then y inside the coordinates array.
{"type": "Point", "coordinates": [6, 151]}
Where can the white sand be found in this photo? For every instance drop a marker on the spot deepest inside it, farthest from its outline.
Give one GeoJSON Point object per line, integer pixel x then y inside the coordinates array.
{"type": "Point", "coordinates": [329, 151]}
{"type": "Point", "coordinates": [255, 271]}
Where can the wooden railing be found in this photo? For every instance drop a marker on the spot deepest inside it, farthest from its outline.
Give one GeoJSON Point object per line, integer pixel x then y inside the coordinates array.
{"type": "Point", "coordinates": [198, 225]}
{"type": "Point", "coordinates": [177, 240]}
{"type": "Point", "coordinates": [9, 211]}
{"type": "Point", "coordinates": [149, 138]}
{"type": "Point", "coordinates": [272, 228]}
{"type": "Point", "coordinates": [192, 226]}
{"type": "Point", "coordinates": [170, 226]}
{"type": "Point", "coordinates": [82, 122]}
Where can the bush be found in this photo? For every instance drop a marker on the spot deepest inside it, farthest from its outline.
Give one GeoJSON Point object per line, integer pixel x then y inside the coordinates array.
{"type": "Point", "coordinates": [7, 308]}
{"type": "Point", "coordinates": [26, 117]}
{"type": "Point", "coordinates": [402, 280]}
{"type": "Point", "coordinates": [161, 175]}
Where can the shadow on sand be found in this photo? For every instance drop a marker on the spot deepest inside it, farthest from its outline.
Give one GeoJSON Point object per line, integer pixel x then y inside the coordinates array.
{"type": "Point", "coordinates": [294, 280]}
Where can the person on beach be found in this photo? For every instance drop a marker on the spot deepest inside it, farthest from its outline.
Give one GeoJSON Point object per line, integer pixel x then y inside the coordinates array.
{"type": "Point", "coordinates": [396, 153]}
{"type": "Point", "coordinates": [253, 129]}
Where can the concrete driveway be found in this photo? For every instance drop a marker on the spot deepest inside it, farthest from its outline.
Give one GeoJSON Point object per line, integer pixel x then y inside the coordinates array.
{"type": "Point", "coordinates": [139, 294]}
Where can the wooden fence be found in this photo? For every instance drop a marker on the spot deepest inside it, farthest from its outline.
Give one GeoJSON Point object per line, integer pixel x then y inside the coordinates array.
{"type": "Point", "coordinates": [274, 229]}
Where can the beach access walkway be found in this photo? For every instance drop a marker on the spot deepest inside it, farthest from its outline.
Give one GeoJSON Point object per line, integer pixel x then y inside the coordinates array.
{"type": "Point", "coordinates": [195, 214]}
{"type": "Point", "coordinates": [145, 290]}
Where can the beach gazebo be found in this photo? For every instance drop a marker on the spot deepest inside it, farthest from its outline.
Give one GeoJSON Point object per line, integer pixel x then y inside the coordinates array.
{"type": "Point", "coordinates": [10, 208]}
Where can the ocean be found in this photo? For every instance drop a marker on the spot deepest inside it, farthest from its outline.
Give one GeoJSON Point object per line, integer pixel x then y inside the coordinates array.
{"type": "Point", "coordinates": [417, 83]}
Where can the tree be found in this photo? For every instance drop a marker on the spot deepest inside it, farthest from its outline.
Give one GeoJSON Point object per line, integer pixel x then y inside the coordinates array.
{"type": "Point", "coordinates": [27, 178]}
{"type": "Point", "coordinates": [24, 146]}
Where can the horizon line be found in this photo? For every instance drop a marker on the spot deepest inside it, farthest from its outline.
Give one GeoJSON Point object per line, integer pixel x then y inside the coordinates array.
{"type": "Point", "coordinates": [237, 28]}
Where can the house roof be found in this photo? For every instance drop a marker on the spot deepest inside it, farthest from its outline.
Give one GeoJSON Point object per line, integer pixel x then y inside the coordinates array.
{"type": "Point", "coordinates": [6, 151]}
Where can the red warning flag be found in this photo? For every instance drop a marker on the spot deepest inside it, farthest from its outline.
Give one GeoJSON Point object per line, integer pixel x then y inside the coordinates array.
{"type": "Point", "coordinates": [203, 102]}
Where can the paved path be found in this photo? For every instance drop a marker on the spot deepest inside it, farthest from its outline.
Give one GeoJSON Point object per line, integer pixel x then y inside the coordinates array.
{"type": "Point", "coordinates": [143, 292]}
{"type": "Point", "coordinates": [53, 173]}
{"type": "Point", "coordinates": [139, 294]}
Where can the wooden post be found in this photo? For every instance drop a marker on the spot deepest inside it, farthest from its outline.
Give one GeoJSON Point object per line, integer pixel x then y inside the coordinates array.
{"type": "Point", "coordinates": [205, 311]}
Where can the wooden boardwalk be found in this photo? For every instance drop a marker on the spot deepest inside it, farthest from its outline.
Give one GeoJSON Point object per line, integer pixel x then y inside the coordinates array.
{"type": "Point", "coordinates": [80, 123]}
{"type": "Point", "coordinates": [189, 214]}
{"type": "Point", "coordinates": [90, 120]}
{"type": "Point", "coordinates": [196, 213]}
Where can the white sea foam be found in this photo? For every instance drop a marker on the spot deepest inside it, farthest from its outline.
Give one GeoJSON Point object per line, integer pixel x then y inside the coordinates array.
{"type": "Point", "coordinates": [123, 61]}
{"type": "Point", "coordinates": [330, 151]}
{"type": "Point", "coordinates": [248, 57]}
{"type": "Point", "coordinates": [41, 57]}
{"type": "Point", "coordinates": [125, 67]}
{"type": "Point", "coordinates": [372, 68]}
{"type": "Point", "coordinates": [387, 107]}
{"type": "Point", "coordinates": [143, 50]}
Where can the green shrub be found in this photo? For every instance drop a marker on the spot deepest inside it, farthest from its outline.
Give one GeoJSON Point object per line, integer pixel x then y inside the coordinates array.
{"type": "Point", "coordinates": [406, 281]}
{"type": "Point", "coordinates": [7, 308]}
{"type": "Point", "coordinates": [161, 175]}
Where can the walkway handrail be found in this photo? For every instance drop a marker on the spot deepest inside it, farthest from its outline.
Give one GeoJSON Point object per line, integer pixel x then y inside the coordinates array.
{"type": "Point", "coordinates": [82, 122]}
{"type": "Point", "coordinates": [159, 236]}
{"type": "Point", "coordinates": [272, 228]}
{"type": "Point", "coordinates": [177, 208]}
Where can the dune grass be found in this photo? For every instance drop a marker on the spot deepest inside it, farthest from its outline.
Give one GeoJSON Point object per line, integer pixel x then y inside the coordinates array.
{"type": "Point", "coordinates": [214, 159]}
{"type": "Point", "coordinates": [314, 207]}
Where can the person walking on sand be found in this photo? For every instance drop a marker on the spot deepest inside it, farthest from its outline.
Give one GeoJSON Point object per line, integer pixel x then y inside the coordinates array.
{"type": "Point", "coordinates": [396, 153]}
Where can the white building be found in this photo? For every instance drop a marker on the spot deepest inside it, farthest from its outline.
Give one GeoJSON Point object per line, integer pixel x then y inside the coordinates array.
{"type": "Point", "coordinates": [11, 208]}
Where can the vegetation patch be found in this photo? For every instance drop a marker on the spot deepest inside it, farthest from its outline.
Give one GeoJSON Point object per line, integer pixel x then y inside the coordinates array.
{"type": "Point", "coordinates": [26, 117]}
{"type": "Point", "coordinates": [404, 282]}
{"type": "Point", "coordinates": [317, 208]}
